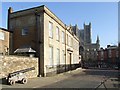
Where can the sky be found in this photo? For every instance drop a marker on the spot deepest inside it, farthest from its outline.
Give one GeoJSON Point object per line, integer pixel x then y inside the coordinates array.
{"type": "Point", "coordinates": [119, 22]}
{"type": "Point", "coordinates": [102, 15]}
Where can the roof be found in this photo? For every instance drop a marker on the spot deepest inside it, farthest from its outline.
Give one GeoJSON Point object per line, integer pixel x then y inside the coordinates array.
{"type": "Point", "coordinates": [24, 50]}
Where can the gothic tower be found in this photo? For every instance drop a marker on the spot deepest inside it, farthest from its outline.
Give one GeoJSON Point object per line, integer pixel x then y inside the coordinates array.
{"type": "Point", "coordinates": [87, 33]}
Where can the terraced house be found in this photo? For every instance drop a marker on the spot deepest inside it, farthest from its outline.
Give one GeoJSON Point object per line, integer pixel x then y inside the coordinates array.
{"type": "Point", "coordinates": [47, 36]}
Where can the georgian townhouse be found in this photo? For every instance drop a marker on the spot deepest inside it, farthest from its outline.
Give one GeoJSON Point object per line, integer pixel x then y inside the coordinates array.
{"type": "Point", "coordinates": [54, 42]}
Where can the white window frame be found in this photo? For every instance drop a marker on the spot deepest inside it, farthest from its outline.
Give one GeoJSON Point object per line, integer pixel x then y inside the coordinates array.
{"type": "Point", "coordinates": [58, 56]}
{"type": "Point", "coordinates": [67, 40]}
{"type": "Point", "coordinates": [57, 34]}
{"type": "Point", "coordinates": [63, 37]}
{"type": "Point", "coordinates": [70, 41]}
{"type": "Point", "coordinates": [50, 55]}
{"type": "Point", "coordinates": [50, 29]}
{"type": "Point", "coordinates": [63, 56]}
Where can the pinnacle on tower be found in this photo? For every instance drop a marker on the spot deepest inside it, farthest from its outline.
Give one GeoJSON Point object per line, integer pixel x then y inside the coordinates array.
{"type": "Point", "coordinates": [90, 23]}
{"type": "Point", "coordinates": [98, 41]}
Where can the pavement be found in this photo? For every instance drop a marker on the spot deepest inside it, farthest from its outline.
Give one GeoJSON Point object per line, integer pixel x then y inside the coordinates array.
{"type": "Point", "coordinates": [43, 81]}
{"type": "Point", "coordinates": [71, 79]}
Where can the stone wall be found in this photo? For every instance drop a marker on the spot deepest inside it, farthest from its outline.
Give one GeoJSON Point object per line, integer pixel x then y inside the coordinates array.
{"type": "Point", "coordinates": [11, 64]}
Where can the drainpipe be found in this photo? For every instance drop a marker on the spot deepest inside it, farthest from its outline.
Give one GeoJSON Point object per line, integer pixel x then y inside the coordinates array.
{"type": "Point", "coordinates": [37, 34]}
{"type": "Point", "coordinates": [65, 47]}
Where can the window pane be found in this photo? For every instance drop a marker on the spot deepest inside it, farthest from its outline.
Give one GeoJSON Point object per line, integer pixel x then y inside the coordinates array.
{"type": "Point", "coordinates": [70, 41]}
{"type": "Point", "coordinates": [51, 55]}
{"type": "Point", "coordinates": [63, 57]}
{"type": "Point", "coordinates": [63, 37]}
{"type": "Point", "coordinates": [24, 31]}
{"type": "Point", "coordinates": [50, 29]}
{"type": "Point", "coordinates": [57, 33]}
{"type": "Point", "coordinates": [58, 56]}
{"type": "Point", "coordinates": [67, 39]}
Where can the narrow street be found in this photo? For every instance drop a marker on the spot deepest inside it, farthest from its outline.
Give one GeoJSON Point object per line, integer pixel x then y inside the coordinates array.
{"type": "Point", "coordinates": [80, 78]}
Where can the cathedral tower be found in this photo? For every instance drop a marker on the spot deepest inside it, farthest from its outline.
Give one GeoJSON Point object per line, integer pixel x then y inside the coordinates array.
{"type": "Point", "coordinates": [87, 33]}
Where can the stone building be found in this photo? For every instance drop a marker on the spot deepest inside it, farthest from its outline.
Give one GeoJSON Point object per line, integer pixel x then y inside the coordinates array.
{"type": "Point", "coordinates": [87, 49]}
{"type": "Point", "coordinates": [4, 41]}
{"type": "Point", "coordinates": [54, 42]}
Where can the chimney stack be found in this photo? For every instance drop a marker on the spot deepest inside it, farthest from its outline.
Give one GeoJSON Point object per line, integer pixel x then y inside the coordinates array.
{"type": "Point", "coordinates": [10, 10]}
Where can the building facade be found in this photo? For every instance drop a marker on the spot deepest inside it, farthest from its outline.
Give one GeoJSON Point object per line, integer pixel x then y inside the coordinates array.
{"type": "Point", "coordinates": [4, 41]}
{"type": "Point", "coordinates": [109, 54]}
{"type": "Point", "coordinates": [54, 42]}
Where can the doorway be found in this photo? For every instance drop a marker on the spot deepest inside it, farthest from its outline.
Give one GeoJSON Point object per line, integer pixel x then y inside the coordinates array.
{"type": "Point", "coordinates": [69, 62]}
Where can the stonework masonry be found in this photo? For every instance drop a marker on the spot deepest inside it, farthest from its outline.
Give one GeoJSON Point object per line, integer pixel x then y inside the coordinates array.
{"type": "Point", "coordinates": [37, 22]}
{"type": "Point", "coordinates": [87, 49]}
{"type": "Point", "coordinates": [11, 64]}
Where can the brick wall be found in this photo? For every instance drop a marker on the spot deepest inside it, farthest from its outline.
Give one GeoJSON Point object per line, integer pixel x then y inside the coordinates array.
{"type": "Point", "coordinates": [11, 64]}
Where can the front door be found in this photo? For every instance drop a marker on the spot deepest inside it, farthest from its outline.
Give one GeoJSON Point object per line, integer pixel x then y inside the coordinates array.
{"type": "Point", "coordinates": [69, 61]}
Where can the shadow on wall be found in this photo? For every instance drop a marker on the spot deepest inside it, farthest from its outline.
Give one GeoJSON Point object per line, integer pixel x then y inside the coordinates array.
{"type": "Point", "coordinates": [60, 69]}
